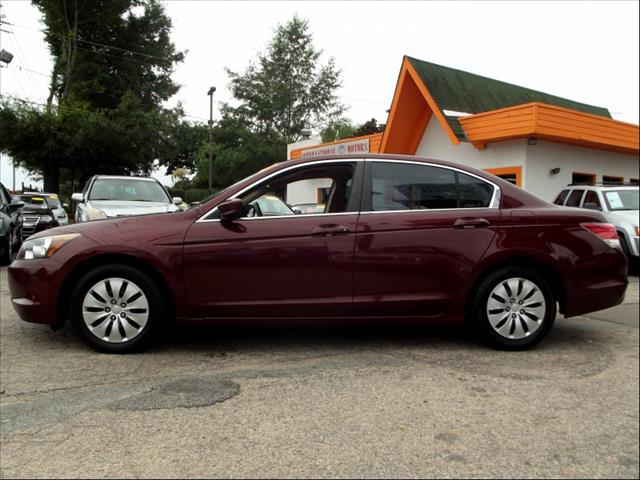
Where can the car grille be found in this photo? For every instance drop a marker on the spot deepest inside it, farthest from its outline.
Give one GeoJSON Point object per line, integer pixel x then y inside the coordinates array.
{"type": "Point", "coordinates": [29, 225]}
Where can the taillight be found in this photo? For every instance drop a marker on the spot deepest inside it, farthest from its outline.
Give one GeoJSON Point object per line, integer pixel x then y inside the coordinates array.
{"type": "Point", "coordinates": [605, 232]}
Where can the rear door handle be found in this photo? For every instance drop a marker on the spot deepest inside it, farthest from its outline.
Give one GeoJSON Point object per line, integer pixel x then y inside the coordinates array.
{"type": "Point", "coordinates": [328, 230]}
{"type": "Point", "coordinates": [471, 223]}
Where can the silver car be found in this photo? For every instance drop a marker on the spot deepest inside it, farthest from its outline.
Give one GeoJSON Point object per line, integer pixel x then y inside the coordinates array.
{"type": "Point", "coordinates": [618, 203]}
{"type": "Point", "coordinates": [110, 196]}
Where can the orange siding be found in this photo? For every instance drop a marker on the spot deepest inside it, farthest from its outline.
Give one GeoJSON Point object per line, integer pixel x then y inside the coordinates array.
{"type": "Point", "coordinates": [517, 171]}
{"type": "Point", "coordinates": [412, 98]}
{"type": "Point", "coordinates": [374, 144]}
{"type": "Point", "coordinates": [551, 123]}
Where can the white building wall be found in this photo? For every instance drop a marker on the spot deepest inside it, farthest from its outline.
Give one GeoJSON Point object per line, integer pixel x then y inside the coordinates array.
{"type": "Point", "coordinates": [306, 191]}
{"type": "Point", "coordinates": [310, 142]}
{"type": "Point", "coordinates": [436, 144]}
{"type": "Point", "coordinates": [544, 156]}
{"type": "Point", "coordinates": [536, 160]}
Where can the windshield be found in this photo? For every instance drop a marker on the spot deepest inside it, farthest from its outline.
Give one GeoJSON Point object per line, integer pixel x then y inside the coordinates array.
{"type": "Point", "coordinates": [128, 189]}
{"type": "Point", "coordinates": [622, 199]}
{"type": "Point", "coordinates": [272, 206]}
{"type": "Point", "coordinates": [33, 201]}
{"type": "Point", "coordinates": [53, 201]}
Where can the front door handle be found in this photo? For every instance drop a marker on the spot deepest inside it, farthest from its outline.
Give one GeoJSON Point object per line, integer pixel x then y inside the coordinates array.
{"type": "Point", "coordinates": [331, 229]}
{"type": "Point", "coordinates": [471, 223]}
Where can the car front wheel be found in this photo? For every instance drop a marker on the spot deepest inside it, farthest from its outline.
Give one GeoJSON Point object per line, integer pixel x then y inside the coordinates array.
{"type": "Point", "coordinates": [514, 308]}
{"type": "Point", "coordinates": [116, 309]}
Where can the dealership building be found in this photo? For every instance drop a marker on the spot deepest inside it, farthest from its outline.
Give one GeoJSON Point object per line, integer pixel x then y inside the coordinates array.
{"type": "Point", "coordinates": [537, 141]}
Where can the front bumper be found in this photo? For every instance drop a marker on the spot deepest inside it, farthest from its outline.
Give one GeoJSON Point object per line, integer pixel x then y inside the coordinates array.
{"type": "Point", "coordinates": [34, 287]}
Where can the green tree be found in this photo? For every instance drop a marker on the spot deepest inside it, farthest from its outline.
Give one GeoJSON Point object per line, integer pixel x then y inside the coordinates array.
{"type": "Point", "coordinates": [112, 71]}
{"type": "Point", "coordinates": [238, 152]}
{"type": "Point", "coordinates": [287, 89]}
{"type": "Point", "coordinates": [369, 127]}
{"type": "Point", "coordinates": [337, 129]}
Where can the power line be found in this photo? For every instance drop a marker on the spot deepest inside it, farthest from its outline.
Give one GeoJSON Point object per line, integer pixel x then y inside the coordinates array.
{"type": "Point", "coordinates": [124, 50]}
{"type": "Point", "coordinates": [34, 83]}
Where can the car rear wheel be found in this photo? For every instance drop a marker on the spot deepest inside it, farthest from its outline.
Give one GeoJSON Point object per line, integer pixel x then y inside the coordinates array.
{"type": "Point", "coordinates": [5, 256]}
{"type": "Point", "coordinates": [514, 308]}
{"type": "Point", "coordinates": [116, 309]}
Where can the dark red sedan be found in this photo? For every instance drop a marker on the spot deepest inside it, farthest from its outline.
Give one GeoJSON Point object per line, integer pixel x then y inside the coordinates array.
{"type": "Point", "coordinates": [400, 238]}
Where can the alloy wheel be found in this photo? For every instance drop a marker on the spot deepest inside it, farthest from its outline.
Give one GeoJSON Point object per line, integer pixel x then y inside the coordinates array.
{"type": "Point", "coordinates": [516, 308]}
{"type": "Point", "coordinates": [115, 310]}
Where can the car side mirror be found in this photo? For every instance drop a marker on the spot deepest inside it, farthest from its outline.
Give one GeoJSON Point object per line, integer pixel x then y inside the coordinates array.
{"type": "Point", "coordinates": [296, 210]}
{"type": "Point", "coordinates": [65, 205]}
{"type": "Point", "coordinates": [15, 205]}
{"type": "Point", "coordinates": [592, 206]}
{"type": "Point", "coordinates": [77, 197]}
{"type": "Point", "coordinates": [176, 200]}
{"type": "Point", "coordinates": [231, 209]}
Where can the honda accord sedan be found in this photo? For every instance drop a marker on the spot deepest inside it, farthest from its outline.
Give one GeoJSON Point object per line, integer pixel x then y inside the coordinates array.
{"type": "Point", "coordinates": [400, 238]}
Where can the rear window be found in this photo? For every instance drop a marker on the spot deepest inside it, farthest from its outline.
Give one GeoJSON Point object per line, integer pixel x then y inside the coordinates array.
{"type": "Point", "coordinates": [561, 197]}
{"type": "Point", "coordinates": [574, 198]}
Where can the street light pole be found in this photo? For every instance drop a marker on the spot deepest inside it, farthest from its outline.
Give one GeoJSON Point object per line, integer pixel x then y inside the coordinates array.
{"type": "Point", "coordinates": [210, 93]}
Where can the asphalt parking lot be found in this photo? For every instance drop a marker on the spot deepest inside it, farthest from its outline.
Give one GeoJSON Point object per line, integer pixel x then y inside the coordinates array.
{"type": "Point", "coordinates": [323, 402]}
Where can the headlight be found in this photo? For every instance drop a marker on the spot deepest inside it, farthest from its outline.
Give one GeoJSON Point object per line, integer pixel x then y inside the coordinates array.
{"type": "Point", "coordinates": [94, 213]}
{"type": "Point", "coordinates": [46, 219]}
{"type": "Point", "coordinates": [44, 246]}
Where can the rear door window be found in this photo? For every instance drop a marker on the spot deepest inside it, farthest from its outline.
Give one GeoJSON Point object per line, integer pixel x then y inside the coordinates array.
{"type": "Point", "coordinates": [404, 186]}
{"type": "Point", "coordinates": [562, 196]}
{"type": "Point", "coordinates": [574, 198]}
{"type": "Point", "coordinates": [591, 197]}
{"type": "Point", "coordinates": [400, 186]}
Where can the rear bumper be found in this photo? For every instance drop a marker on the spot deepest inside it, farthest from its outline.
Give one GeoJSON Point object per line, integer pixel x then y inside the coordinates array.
{"type": "Point", "coordinates": [597, 283]}
{"type": "Point", "coordinates": [34, 287]}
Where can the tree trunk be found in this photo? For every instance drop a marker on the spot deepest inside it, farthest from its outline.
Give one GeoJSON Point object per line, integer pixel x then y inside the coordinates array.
{"type": "Point", "coordinates": [51, 176]}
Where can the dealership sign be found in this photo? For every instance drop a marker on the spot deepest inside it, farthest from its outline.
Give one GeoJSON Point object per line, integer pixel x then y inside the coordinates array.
{"type": "Point", "coordinates": [356, 146]}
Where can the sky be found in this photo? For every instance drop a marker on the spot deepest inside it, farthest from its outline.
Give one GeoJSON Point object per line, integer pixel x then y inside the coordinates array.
{"type": "Point", "coordinates": [584, 51]}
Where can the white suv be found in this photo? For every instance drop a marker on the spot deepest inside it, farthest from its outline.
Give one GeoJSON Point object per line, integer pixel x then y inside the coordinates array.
{"type": "Point", "coordinates": [618, 203]}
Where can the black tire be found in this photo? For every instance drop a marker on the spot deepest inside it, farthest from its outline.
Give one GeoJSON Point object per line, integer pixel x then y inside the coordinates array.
{"type": "Point", "coordinates": [480, 318]}
{"type": "Point", "coordinates": [5, 257]}
{"type": "Point", "coordinates": [624, 246]}
{"type": "Point", "coordinates": [156, 308]}
{"type": "Point", "coordinates": [17, 240]}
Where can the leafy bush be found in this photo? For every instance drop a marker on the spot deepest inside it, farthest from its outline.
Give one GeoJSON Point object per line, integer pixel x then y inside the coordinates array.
{"type": "Point", "coordinates": [195, 195]}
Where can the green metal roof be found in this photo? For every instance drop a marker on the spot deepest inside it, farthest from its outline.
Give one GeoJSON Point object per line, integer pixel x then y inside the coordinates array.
{"type": "Point", "coordinates": [461, 91]}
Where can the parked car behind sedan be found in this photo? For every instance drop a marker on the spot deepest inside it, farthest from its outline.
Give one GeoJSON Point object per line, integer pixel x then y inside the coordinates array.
{"type": "Point", "coordinates": [619, 205]}
{"type": "Point", "coordinates": [53, 202]}
{"type": "Point", "coordinates": [401, 238]}
{"type": "Point", "coordinates": [10, 225]}
{"type": "Point", "coordinates": [38, 214]}
{"type": "Point", "coordinates": [106, 196]}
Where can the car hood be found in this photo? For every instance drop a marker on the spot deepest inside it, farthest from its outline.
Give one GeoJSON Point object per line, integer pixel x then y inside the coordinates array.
{"type": "Point", "coordinates": [624, 217]}
{"type": "Point", "coordinates": [35, 211]}
{"type": "Point", "coordinates": [120, 208]}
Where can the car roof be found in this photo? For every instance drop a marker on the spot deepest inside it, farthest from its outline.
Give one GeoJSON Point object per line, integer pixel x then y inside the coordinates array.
{"type": "Point", "coordinates": [602, 187]}
{"type": "Point", "coordinates": [127, 177]}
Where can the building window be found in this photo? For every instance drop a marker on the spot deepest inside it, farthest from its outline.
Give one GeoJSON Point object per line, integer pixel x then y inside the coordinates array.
{"type": "Point", "coordinates": [510, 174]}
{"type": "Point", "coordinates": [578, 178]}
{"type": "Point", "coordinates": [634, 181]}
{"type": "Point", "coordinates": [611, 180]}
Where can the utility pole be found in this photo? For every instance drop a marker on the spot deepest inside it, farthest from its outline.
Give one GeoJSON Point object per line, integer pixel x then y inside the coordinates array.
{"type": "Point", "coordinates": [210, 93]}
